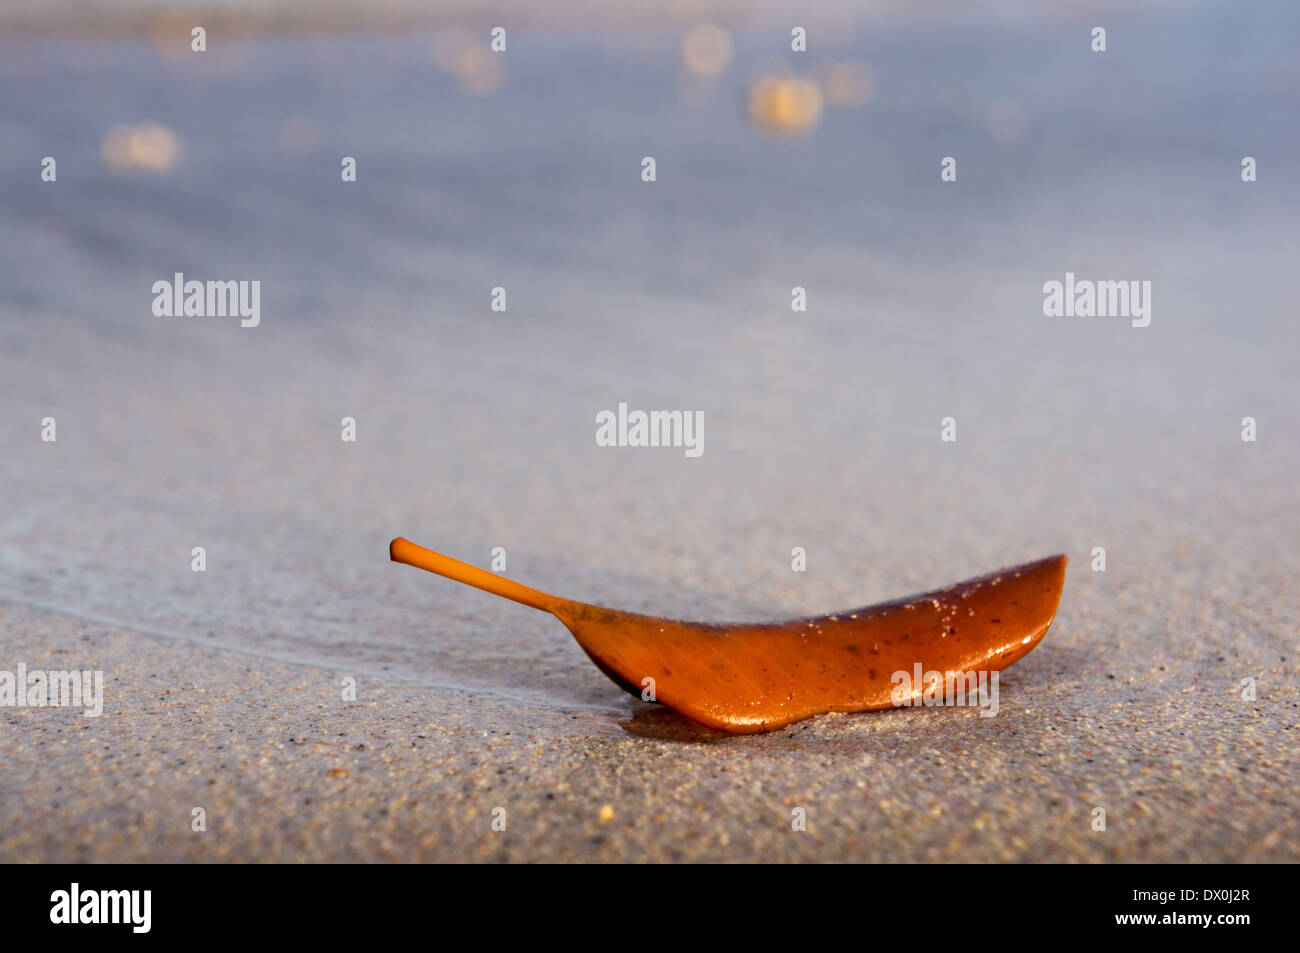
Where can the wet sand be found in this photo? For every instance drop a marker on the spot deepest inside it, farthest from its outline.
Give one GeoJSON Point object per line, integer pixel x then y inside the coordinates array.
{"type": "Point", "coordinates": [287, 772]}
{"type": "Point", "coordinates": [475, 429]}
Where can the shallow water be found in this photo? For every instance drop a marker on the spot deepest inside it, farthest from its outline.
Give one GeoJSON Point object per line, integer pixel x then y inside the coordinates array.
{"type": "Point", "coordinates": [476, 429]}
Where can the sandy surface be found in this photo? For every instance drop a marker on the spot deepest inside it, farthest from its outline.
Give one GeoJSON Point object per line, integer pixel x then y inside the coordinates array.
{"type": "Point", "coordinates": [286, 771]}
{"type": "Point", "coordinates": [476, 430]}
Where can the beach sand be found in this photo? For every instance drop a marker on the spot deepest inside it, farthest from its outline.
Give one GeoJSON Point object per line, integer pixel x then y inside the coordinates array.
{"type": "Point", "coordinates": [286, 772]}
{"type": "Point", "coordinates": [475, 430]}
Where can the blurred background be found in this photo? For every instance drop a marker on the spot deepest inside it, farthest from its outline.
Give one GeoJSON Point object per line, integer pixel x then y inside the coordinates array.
{"type": "Point", "coordinates": [522, 169]}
